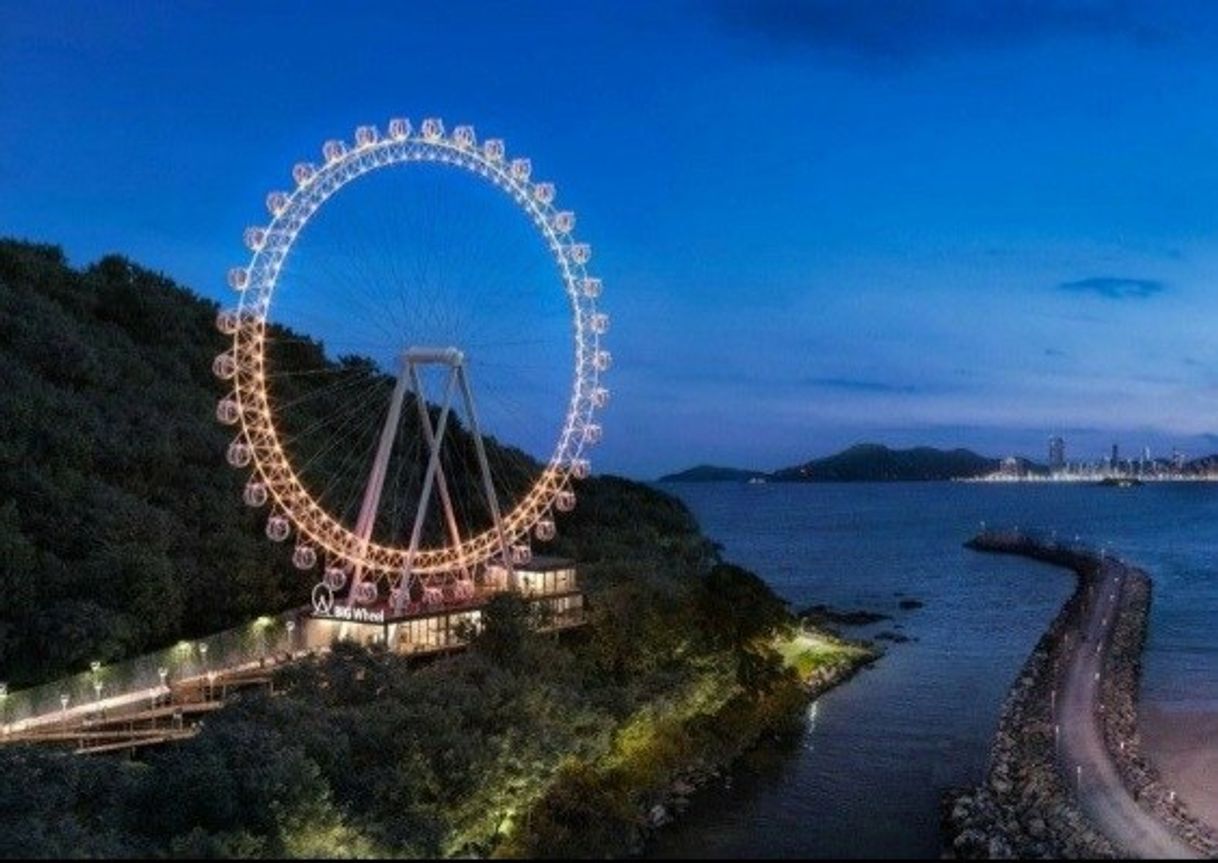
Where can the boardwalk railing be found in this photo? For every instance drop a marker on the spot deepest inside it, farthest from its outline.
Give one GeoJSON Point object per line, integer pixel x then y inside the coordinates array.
{"type": "Point", "coordinates": [263, 639]}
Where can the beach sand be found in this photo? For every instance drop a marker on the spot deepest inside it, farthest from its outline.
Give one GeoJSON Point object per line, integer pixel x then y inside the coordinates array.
{"type": "Point", "coordinates": [1183, 745]}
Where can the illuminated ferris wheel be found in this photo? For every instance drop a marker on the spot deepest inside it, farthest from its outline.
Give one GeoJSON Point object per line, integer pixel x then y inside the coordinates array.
{"type": "Point", "coordinates": [415, 368]}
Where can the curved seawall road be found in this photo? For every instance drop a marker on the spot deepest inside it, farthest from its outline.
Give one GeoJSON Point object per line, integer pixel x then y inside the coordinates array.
{"type": "Point", "coordinates": [1066, 776]}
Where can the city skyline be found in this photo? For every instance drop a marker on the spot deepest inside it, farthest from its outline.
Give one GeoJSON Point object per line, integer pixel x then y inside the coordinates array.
{"type": "Point", "coordinates": [948, 229]}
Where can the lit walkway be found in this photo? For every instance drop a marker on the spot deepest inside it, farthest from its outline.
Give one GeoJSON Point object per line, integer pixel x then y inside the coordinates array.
{"type": "Point", "coordinates": [1084, 757]}
{"type": "Point", "coordinates": [146, 717]}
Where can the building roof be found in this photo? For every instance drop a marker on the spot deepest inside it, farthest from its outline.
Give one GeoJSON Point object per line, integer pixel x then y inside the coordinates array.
{"type": "Point", "coordinates": [545, 563]}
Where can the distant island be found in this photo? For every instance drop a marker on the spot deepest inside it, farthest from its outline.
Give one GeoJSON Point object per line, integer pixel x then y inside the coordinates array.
{"type": "Point", "coordinates": [865, 462]}
{"type": "Point", "coordinates": [713, 473]}
{"type": "Point", "coordinates": [871, 462]}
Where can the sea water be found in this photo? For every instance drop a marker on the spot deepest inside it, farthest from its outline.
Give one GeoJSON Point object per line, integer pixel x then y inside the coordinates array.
{"type": "Point", "coordinates": [866, 776]}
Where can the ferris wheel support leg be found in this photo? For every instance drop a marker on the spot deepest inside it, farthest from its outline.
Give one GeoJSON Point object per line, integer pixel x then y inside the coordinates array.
{"type": "Point", "coordinates": [492, 500]}
{"type": "Point", "coordinates": [433, 467]}
{"type": "Point", "coordinates": [376, 479]}
{"type": "Point", "coordinates": [429, 436]}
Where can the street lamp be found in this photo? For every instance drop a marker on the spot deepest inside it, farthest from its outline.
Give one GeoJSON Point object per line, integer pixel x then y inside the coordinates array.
{"type": "Point", "coordinates": [64, 698]}
{"type": "Point", "coordinates": [162, 673]}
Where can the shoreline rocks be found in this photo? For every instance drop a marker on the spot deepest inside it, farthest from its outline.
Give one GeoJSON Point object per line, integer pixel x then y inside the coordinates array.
{"type": "Point", "coordinates": [661, 810]}
{"type": "Point", "coordinates": [822, 615]}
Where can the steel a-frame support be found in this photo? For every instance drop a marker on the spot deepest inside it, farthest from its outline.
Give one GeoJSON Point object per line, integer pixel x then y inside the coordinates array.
{"type": "Point", "coordinates": [409, 376]}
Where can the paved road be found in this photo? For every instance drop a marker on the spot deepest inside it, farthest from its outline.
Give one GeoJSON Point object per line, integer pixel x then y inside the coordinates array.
{"type": "Point", "coordinates": [1085, 759]}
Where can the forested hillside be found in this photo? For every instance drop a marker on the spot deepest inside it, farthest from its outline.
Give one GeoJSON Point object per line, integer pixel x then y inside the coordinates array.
{"type": "Point", "coordinates": [121, 526]}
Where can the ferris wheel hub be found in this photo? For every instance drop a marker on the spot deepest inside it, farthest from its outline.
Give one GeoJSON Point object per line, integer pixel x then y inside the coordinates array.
{"type": "Point", "coordinates": [434, 356]}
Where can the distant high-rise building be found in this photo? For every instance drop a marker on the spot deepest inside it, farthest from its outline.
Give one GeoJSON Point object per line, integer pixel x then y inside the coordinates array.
{"type": "Point", "coordinates": [1057, 453]}
{"type": "Point", "coordinates": [1116, 456]}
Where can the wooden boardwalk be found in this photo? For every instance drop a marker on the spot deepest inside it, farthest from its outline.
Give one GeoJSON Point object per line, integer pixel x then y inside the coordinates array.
{"type": "Point", "coordinates": [147, 718]}
{"type": "Point", "coordinates": [163, 714]}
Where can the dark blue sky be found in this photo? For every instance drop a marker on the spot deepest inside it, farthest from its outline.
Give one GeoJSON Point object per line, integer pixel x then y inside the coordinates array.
{"type": "Point", "coordinates": [941, 222]}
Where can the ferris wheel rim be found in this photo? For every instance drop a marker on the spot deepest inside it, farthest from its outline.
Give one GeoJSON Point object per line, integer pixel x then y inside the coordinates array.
{"type": "Point", "coordinates": [271, 245]}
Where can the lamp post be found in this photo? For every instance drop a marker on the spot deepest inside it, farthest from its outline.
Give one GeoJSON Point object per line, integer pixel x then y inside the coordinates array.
{"type": "Point", "coordinates": [64, 698]}
{"type": "Point", "coordinates": [163, 673]}
{"type": "Point", "coordinates": [291, 626]}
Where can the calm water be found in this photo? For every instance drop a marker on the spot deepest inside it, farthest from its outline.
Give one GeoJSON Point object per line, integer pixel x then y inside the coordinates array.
{"type": "Point", "coordinates": [865, 778]}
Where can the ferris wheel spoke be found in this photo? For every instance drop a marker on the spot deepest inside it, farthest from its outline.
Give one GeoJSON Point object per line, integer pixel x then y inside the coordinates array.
{"type": "Point", "coordinates": [331, 420]}
{"type": "Point", "coordinates": [344, 480]}
{"type": "Point", "coordinates": [329, 390]}
{"type": "Point", "coordinates": [353, 418]}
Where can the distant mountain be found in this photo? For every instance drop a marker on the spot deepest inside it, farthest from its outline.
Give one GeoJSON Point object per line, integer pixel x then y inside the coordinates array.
{"type": "Point", "coordinates": [712, 473]}
{"type": "Point", "coordinates": [877, 463]}
{"type": "Point", "coordinates": [1203, 466]}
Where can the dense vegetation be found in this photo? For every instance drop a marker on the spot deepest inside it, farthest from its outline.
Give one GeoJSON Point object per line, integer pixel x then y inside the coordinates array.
{"type": "Point", "coordinates": [106, 406]}
{"type": "Point", "coordinates": [120, 527]}
{"type": "Point", "coordinates": [522, 745]}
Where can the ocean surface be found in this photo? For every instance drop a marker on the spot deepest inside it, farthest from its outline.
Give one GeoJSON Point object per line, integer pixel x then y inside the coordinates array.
{"type": "Point", "coordinates": [865, 778]}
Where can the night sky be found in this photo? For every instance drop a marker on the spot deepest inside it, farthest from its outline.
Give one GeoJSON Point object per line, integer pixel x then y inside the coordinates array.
{"type": "Point", "coordinates": [951, 223]}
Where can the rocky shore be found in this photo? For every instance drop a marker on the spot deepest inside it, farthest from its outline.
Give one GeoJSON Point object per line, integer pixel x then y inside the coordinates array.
{"type": "Point", "coordinates": [1025, 808]}
{"type": "Point", "coordinates": [666, 804]}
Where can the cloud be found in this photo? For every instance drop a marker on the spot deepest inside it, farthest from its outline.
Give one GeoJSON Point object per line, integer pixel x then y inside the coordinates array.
{"type": "Point", "coordinates": [857, 385]}
{"type": "Point", "coordinates": [900, 31]}
{"type": "Point", "coordinates": [1113, 288]}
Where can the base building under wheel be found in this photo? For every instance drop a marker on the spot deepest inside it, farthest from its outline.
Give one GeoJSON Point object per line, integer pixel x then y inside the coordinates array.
{"type": "Point", "coordinates": [445, 620]}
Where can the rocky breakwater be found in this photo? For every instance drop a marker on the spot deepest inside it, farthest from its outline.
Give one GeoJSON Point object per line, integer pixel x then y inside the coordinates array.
{"type": "Point", "coordinates": [1119, 717]}
{"type": "Point", "coordinates": [1028, 806]}
{"type": "Point", "coordinates": [1025, 807]}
